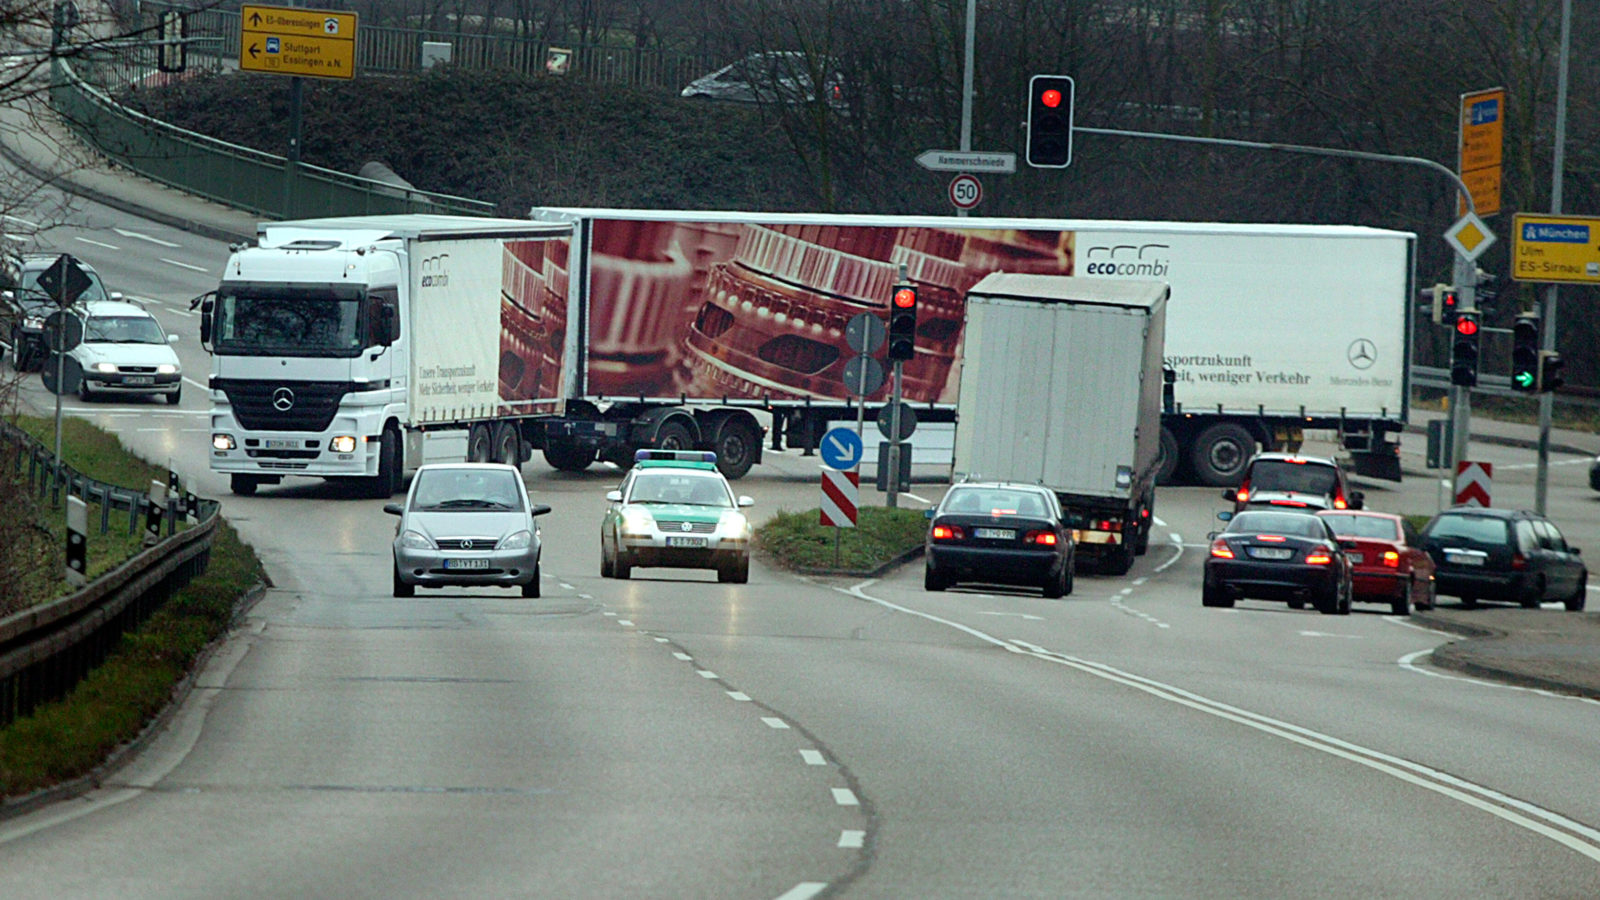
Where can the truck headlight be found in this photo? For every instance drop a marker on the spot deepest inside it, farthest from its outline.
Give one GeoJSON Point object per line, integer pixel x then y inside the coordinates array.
{"type": "Point", "coordinates": [222, 442]}
{"type": "Point", "coordinates": [519, 541]}
{"type": "Point", "coordinates": [415, 540]}
{"type": "Point", "coordinates": [343, 443]}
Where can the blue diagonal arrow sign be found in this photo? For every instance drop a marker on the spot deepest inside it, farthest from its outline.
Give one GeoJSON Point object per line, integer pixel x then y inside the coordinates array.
{"type": "Point", "coordinates": [841, 449]}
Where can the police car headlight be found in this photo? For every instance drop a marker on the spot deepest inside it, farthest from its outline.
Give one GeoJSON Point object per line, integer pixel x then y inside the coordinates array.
{"type": "Point", "coordinates": [519, 541]}
{"type": "Point", "coordinates": [733, 523]}
{"type": "Point", "coordinates": [415, 540]}
{"type": "Point", "coordinates": [637, 521]}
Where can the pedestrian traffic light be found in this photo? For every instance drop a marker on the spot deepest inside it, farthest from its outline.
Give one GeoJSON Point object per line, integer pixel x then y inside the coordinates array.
{"type": "Point", "coordinates": [1464, 350]}
{"type": "Point", "coordinates": [1550, 365]}
{"type": "Point", "coordinates": [1525, 354]}
{"type": "Point", "coordinates": [1445, 301]}
{"type": "Point", "coordinates": [1049, 121]}
{"type": "Point", "coordinates": [903, 323]}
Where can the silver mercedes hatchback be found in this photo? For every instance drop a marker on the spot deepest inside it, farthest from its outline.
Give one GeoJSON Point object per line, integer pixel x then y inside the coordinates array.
{"type": "Point", "coordinates": [466, 525]}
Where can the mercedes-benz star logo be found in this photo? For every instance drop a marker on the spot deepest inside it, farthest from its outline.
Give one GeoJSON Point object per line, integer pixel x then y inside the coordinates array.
{"type": "Point", "coordinates": [1362, 353]}
{"type": "Point", "coordinates": [686, 526]}
{"type": "Point", "coordinates": [283, 399]}
{"type": "Point", "coordinates": [466, 543]}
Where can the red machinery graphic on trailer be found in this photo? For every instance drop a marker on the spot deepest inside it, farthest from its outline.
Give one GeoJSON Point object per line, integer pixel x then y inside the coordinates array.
{"type": "Point", "coordinates": [753, 311]}
{"type": "Point", "coordinates": [533, 319]}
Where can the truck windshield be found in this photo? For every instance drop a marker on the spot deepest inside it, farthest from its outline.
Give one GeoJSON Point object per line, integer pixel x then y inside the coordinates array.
{"type": "Point", "coordinates": [317, 321]}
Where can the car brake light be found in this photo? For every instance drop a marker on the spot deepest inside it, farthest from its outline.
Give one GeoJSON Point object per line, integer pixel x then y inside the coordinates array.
{"type": "Point", "coordinates": [1518, 561]}
{"type": "Point", "coordinates": [1338, 503]}
{"type": "Point", "coordinates": [948, 533]}
{"type": "Point", "coordinates": [1319, 557]}
{"type": "Point", "coordinates": [1288, 503]}
{"type": "Point", "coordinates": [1274, 538]}
{"type": "Point", "coordinates": [1221, 550]}
{"type": "Point", "coordinates": [1043, 538]}
{"type": "Point", "coordinates": [1244, 493]}
{"type": "Point", "coordinates": [1391, 559]}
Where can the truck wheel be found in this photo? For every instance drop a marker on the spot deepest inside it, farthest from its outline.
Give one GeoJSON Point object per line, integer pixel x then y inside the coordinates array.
{"type": "Point", "coordinates": [1171, 456]}
{"type": "Point", "coordinates": [674, 436]}
{"type": "Point", "coordinates": [243, 485]}
{"type": "Point", "coordinates": [388, 478]}
{"type": "Point", "coordinates": [736, 447]}
{"type": "Point", "coordinates": [507, 444]}
{"type": "Point", "coordinates": [1219, 454]}
{"type": "Point", "coordinates": [567, 457]}
{"type": "Point", "coordinates": [480, 444]}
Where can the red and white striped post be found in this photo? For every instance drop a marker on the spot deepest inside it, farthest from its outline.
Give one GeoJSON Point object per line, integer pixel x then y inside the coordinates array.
{"type": "Point", "coordinates": [840, 491]}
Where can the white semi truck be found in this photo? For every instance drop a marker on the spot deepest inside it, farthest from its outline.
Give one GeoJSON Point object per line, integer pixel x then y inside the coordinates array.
{"type": "Point", "coordinates": [361, 347]}
{"type": "Point", "coordinates": [1061, 385]}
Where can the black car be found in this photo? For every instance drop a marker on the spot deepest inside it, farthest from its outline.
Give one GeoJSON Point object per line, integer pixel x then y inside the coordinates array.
{"type": "Point", "coordinates": [1278, 555]}
{"type": "Point", "coordinates": [1514, 556]}
{"type": "Point", "coordinates": [999, 533]}
{"type": "Point", "coordinates": [1292, 481]}
{"type": "Point", "coordinates": [24, 305]}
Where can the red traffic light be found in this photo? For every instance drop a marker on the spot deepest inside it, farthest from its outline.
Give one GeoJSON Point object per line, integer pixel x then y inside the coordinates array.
{"type": "Point", "coordinates": [1051, 98]}
{"type": "Point", "coordinates": [1466, 326]}
{"type": "Point", "coordinates": [905, 298]}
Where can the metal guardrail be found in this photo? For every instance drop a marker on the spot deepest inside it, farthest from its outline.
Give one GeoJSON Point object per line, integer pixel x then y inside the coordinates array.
{"type": "Point", "coordinates": [228, 173]}
{"type": "Point", "coordinates": [46, 650]}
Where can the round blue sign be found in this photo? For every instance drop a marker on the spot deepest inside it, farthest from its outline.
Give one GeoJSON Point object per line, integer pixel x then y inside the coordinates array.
{"type": "Point", "coordinates": [841, 448]}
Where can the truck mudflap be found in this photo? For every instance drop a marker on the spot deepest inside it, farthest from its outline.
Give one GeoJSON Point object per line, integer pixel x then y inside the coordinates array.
{"type": "Point", "coordinates": [1383, 463]}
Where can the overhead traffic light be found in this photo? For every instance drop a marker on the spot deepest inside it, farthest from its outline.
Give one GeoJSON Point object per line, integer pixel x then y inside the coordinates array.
{"type": "Point", "coordinates": [1445, 301]}
{"type": "Point", "coordinates": [1550, 365]}
{"type": "Point", "coordinates": [903, 323]}
{"type": "Point", "coordinates": [1049, 121]}
{"type": "Point", "coordinates": [1464, 350]}
{"type": "Point", "coordinates": [1525, 354]}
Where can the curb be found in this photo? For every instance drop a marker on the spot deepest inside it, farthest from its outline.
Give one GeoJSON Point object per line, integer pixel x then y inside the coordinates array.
{"type": "Point", "coordinates": [879, 572]}
{"type": "Point", "coordinates": [1463, 656]}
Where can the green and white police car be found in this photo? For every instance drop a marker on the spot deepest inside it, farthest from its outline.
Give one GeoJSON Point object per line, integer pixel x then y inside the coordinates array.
{"type": "Point", "coordinates": [675, 510]}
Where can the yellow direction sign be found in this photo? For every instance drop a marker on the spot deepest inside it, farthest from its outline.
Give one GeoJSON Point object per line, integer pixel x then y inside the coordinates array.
{"type": "Point", "coordinates": [1555, 248]}
{"type": "Point", "coordinates": [287, 40]}
{"type": "Point", "coordinates": [1483, 115]}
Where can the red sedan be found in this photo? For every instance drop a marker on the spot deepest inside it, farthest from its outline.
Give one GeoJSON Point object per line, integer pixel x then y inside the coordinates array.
{"type": "Point", "coordinates": [1388, 562]}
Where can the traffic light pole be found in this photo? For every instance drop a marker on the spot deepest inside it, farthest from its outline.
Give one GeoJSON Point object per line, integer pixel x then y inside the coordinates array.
{"type": "Point", "coordinates": [1466, 275]}
{"type": "Point", "coordinates": [1541, 479]}
{"type": "Point", "coordinates": [893, 481]}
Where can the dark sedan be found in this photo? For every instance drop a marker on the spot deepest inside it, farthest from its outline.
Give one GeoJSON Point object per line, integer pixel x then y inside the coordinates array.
{"type": "Point", "coordinates": [1270, 555]}
{"type": "Point", "coordinates": [999, 533]}
{"type": "Point", "coordinates": [1516, 556]}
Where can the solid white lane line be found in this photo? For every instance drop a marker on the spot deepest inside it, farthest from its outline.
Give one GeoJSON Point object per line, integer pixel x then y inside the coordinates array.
{"type": "Point", "coordinates": [805, 890]}
{"type": "Point", "coordinates": [775, 722]}
{"type": "Point", "coordinates": [850, 839]}
{"type": "Point", "coordinates": [813, 758]}
{"type": "Point", "coordinates": [1177, 546]}
{"type": "Point", "coordinates": [183, 265]}
{"type": "Point", "coordinates": [96, 243]}
{"type": "Point", "coordinates": [144, 237]}
{"type": "Point", "coordinates": [32, 226]}
{"type": "Point", "coordinates": [740, 696]}
{"type": "Point", "coordinates": [1576, 836]}
{"type": "Point", "coordinates": [845, 797]}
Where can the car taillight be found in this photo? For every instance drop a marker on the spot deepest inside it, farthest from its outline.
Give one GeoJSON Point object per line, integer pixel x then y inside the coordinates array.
{"type": "Point", "coordinates": [1391, 559]}
{"type": "Point", "coordinates": [1274, 538]}
{"type": "Point", "coordinates": [949, 533]}
{"type": "Point", "coordinates": [1289, 503]}
{"type": "Point", "coordinates": [1518, 561]}
{"type": "Point", "coordinates": [1319, 557]}
{"type": "Point", "coordinates": [1244, 493]}
{"type": "Point", "coordinates": [1221, 550]}
{"type": "Point", "coordinates": [1042, 538]}
{"type": "Point", "coordinates": [1338, 503]}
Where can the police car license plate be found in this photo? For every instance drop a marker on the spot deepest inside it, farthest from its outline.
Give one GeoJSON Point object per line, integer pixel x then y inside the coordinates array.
{"type": "Point", "coordinates": [466, 564]}
{"type": "Point", "coordinates": [686, 541]}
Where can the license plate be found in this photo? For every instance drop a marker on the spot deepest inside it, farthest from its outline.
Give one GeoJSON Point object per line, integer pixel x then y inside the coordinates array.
{"type": "Point", "coordinates": [138, 379]}
{"type": "Point", "coordinates": [997, 534]}
{"type": "Point", "coordinates": [1463, 559]}
{"type": "Point", "coordinates": [1356, 557]}
{"type": "Point", "coordinates": [686, 542]}
{"type": "Point", "coordinates": [466, 564]}
{"type": "Point", "coordinates": [278, 444]}
{"type": "Point", "coordinates": [1271, 552]}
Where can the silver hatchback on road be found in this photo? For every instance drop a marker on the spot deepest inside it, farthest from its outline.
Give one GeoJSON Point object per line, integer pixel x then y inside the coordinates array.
{"type": "Point", "coordinates": [466, 525]}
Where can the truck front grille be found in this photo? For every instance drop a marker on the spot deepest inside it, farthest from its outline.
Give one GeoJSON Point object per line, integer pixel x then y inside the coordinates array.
{"type": "Point", "coordinates": [283, 405]}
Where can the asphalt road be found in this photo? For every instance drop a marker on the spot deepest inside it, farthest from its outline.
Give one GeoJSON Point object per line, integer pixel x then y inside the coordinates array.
{"type": "Point", "coordinates": [796, 737]}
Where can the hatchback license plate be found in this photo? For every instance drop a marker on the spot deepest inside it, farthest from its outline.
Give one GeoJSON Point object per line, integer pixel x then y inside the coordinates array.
{"type": "Point", "coordinates": [138, 379]}
{"type": "Point", "coordinates": [997, 534]}
{"type": "Point", "coordinates": [686, 542]}
{"type": "Point", "coordinates": [1464, 559]}
{"type": "Point", "coordinates": [1271, 552]}
{"type": "Point", "coordinates": [466, 564]}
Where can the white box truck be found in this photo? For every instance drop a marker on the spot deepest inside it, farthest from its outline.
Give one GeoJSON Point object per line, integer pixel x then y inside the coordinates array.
{"type": "Point", "coordinates": [361, 347]}
{"type": "Point", "coordinates": [1061, 385]}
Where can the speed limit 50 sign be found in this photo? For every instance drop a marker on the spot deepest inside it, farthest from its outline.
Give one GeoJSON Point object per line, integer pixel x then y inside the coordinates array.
{"type": "Point", "coordinates": [966, 191]}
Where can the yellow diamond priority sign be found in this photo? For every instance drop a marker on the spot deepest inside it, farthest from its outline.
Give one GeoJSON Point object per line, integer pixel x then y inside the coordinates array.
{"type": "Point", "coordinates": [287, 40]}
{"type": "Point", "coordinates": [1469, 236]}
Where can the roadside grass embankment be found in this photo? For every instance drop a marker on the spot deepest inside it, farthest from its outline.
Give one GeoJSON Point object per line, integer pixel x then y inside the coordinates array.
{"type": "Point", "coordinates": [798, 540]}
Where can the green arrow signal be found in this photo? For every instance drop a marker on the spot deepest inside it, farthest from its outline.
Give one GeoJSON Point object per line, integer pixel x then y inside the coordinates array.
{"type": "Point", "coordinates": [1523, 379]}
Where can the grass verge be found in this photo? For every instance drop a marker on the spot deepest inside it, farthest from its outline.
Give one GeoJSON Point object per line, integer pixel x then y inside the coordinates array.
{"type": "Point", "coordinates": [797, 540]}
{"type": "Point", "coordinates": [69, 738]}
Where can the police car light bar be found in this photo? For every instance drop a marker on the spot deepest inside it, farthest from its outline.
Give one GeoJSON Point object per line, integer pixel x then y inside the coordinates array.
{"type": "Point", "coordinates": [676, 455]}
